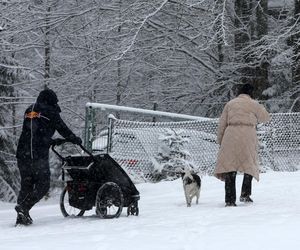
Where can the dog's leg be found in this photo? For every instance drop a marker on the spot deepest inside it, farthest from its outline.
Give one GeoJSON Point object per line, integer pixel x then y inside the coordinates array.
{"type": "Point", "coordinates": [188, 203]}
{"type": "Point", "coordinates": [197, 196]}
{"type": "Point", "coordinates": [192, 197]}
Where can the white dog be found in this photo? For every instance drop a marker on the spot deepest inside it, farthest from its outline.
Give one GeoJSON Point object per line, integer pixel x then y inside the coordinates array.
{"type": "Point", "coordinates": [191, 186]}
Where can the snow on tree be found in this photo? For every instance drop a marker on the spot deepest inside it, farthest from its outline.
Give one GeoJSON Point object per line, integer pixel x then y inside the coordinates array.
{"type": "Point", "coordinates": [8, 178]}
{"type": "Point", "coordinates": [6, 192]}
{"type": "Point", "coordinates": [186, 56]}
{"type": "Point", "coordinates": [172, 157]}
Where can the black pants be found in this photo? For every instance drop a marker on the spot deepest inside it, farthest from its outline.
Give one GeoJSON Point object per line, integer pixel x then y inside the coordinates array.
{"type": "Point", "coordinates": [35, 181]}
{"type": "Point", "coordinates": [230, 189]}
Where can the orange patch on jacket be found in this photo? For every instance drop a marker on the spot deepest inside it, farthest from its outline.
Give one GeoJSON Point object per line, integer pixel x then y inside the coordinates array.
{"type": "Point", "coordinates": [32, 115]}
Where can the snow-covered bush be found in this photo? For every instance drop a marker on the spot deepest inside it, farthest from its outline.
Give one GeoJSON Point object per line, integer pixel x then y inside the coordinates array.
{"type": "Point", "coordinates": [172, 157]}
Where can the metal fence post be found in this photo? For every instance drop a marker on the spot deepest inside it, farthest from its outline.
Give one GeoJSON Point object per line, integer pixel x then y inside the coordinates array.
{"type": "Point", "coordinates": [86, 128]}
{"type": "Point", "coordinates": [272, 147]}
{"type": "Point", "coordinates": [89, 130]}
{"type": "Point", "coordinates": [273, 162]}
{"type": "Point", "coordinates": [111, 119]}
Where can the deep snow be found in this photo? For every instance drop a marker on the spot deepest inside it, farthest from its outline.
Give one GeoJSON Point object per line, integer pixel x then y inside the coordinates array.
{"type": "Point", "coordinates": [271, 222]}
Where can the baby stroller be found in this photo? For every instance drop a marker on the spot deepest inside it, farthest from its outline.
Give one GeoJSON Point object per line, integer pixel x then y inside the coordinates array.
{"type": "Point", "coordinates": [96, 180]}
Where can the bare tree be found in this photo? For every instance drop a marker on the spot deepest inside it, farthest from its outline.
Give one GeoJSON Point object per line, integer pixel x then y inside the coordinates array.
{"type": "Point", "coordinates": [296, 59]}
{"type": "Point", "coordinates": [184, 56]}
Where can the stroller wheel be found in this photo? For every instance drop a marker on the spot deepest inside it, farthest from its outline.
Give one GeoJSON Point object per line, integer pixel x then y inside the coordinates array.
{"type": "Point", "coordinates": [66, 208]}
{"type": "Point", "coordinates": [109, 201]}
{"type": "Point", "coordinates": [133, 209]}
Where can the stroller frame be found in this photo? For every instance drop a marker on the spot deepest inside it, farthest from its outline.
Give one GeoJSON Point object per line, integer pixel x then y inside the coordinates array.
{"type": "Point", "coordinates": [96, 180]}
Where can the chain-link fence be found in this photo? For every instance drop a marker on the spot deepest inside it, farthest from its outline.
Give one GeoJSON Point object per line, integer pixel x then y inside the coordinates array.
{"type": "Point", "coordinates": [280, 142]}
{"type": "Point", "coordinates": [137, 145]}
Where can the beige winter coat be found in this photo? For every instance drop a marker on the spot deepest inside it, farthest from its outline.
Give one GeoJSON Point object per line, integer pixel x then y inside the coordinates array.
{"type": "Point", "coordinates": [237, 136]}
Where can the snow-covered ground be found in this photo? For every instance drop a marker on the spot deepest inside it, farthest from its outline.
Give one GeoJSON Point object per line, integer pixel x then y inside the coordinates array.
{"type": "Point", "coordinates": [271, 222]}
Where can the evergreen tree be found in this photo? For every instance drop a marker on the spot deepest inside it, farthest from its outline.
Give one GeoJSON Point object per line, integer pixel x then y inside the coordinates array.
{"type": "Point", "coordinates": [172, 157]}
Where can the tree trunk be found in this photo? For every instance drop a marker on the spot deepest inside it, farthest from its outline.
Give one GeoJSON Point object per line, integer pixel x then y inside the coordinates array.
{"type": "Point", "coordinates": [220, 40]}
{"type": "Point", "coordinates": [242, 20]}
{"type": "Point", "coordinates": [119, 68]}
{"type": "Point", "coordinates": [296, 46]}
{"type": "Point", "coordinates": [248, 30]}
{"type": "Point", "coordinates": [260, 80]}
{"type": "Point", "coordinates": [242, 38]}
{"type": "Point", "coordinates": [47, 46]}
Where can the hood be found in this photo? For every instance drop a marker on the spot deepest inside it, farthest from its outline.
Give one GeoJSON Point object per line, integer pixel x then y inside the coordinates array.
{"type": "Point", "coordinates": [47, 96]}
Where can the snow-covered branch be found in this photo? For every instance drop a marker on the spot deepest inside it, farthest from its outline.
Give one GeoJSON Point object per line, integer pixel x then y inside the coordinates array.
{"type": "Point", "coordinates": [133, 39]}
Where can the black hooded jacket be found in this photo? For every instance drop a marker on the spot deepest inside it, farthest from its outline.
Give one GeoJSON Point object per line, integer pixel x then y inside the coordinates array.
{"type": "Point", "coordinates": [41, 120]}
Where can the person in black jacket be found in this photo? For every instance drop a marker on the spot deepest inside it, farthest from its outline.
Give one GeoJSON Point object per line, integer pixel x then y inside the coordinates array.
{"type": "Point", "coordinates": [41, 120]}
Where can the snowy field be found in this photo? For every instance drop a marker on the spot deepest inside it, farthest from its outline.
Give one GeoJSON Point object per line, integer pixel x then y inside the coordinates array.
{"type": "Point", "coordinates": [271, 222]}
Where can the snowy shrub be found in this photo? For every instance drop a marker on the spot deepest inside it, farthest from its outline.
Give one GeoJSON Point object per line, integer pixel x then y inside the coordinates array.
{"type": "Point", "coordinates": [172, 157]}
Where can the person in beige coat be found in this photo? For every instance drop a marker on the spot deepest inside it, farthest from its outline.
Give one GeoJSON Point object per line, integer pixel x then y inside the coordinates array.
{"type": "Point", "coordinates": [239, 144]}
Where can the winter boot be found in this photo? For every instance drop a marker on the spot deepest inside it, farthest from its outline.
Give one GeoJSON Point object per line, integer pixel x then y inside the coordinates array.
{"type": "Point", "coordinates": [23, 217]}
{"type": "Point", "coordinates": [246, 199]}
{"type": "Point", "coordinates": [230, 204]}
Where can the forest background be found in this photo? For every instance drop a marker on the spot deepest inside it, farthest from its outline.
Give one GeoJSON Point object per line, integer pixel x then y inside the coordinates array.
{"type": "Point", "coordinates": [182, 56]}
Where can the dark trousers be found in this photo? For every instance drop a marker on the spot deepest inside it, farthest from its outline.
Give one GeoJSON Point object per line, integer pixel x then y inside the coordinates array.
{"type": "Point", "coordinates": [35, 181]}
{"type": "Point", "coordinates": [230, 188]}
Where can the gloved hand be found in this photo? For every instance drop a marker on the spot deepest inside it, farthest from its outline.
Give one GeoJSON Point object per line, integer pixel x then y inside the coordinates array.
{"type": "Point", "coordinates": [76, 140]}
{"type": "Point", "coordinates": [58, 141]}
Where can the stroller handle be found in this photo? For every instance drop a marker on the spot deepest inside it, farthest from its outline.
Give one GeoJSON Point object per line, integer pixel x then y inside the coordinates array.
{"type": "Point", "coordinates": [62, 141]}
